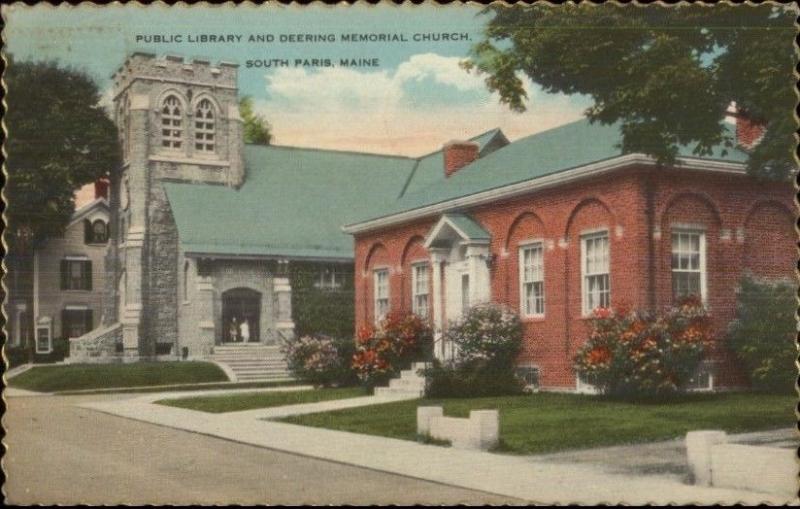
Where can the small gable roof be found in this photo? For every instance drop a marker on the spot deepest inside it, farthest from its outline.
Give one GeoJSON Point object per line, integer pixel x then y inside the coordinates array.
{"type": "Point", "coordinates": [463, 225]}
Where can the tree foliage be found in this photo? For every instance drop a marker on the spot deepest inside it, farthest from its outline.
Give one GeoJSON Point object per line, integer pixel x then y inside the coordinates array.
{"type": "Point", "coordinates": [59, 139]}
{"type": "Point", "coordinates": [764, 332]}
{"type": "Point", "coordinates": [256, 128]}
{"type": "Point", "coordinates": [667, 73]}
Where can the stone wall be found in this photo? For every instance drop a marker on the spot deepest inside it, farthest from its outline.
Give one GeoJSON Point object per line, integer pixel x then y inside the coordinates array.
{"type": "Point", "coordinates": [100, 345]}
{"type": "Point", "coordinates": [161, 298]}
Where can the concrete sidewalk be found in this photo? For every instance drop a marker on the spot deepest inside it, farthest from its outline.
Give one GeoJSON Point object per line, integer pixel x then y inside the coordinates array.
{"type": "Point", "coordinates": [515, 476]}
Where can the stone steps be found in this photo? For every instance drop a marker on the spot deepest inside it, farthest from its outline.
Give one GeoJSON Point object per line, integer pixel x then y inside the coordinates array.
{"type": "Point", "coordinates": [409, 384]}
{"type": "Point", "coordinates": [253, 362]}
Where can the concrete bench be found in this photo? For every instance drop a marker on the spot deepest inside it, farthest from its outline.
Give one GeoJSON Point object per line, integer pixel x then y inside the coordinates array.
{"type": "Point", "coordinates": [480, 431]}
{"type": "Point", "coordinates": [715, 462]}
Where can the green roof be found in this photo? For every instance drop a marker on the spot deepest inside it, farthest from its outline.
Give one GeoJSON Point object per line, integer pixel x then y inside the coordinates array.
{"type": "Point", "coordinates": [293, 203]}
{"type": "Point", "coordinates": [295, 200]}
{"type": "Point", "coordinates": [549, 152]}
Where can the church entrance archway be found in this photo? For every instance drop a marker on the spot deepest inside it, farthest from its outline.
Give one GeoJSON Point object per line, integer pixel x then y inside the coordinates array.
{"type": "Point", "coordinates": [241, 315]}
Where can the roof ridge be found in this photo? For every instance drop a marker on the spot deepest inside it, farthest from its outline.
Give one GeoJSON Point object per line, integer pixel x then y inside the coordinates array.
{"type": "Point", "coordinates": [336, 151]}
{"type": "Point", "coordinates": [484, 133]}
{"type": "Point", "coordinates": [409, 179]}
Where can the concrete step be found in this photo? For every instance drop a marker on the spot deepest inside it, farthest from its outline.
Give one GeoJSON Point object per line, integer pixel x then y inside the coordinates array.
{"type": "Point", "coordinates": [400, 383]}
{"type": "Point", "coordinates": [249, 360]}
{"type": "Point", "coordinates": [393, 392]}
{"type": "Point", "coordinates": [409, 374]}
{"type": "Point", "coordinates": [262, 378]}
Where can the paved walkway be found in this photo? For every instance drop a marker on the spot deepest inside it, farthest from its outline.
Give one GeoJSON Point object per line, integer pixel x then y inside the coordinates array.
{"type": "Point", "coordinates": [60, 454]}
{"type": "Point", "coordinates": [526, 478]}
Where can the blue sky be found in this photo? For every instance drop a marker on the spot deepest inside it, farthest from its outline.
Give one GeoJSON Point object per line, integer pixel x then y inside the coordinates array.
{"type": "Point", "coordinates": [417, 99]}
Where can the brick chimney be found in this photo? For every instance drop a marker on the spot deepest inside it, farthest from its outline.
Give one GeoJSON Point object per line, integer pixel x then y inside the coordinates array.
{"type": "Point", "coordinates": [748, 131]}
{"type": "Point", "coordinates": [458, 154]}
{"type": "Point", "coordinates": [101, 188]}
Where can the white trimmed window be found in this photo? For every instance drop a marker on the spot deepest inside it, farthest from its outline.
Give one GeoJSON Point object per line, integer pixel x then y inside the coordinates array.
{"type": "Point", "coordinates": [703, 377]}
{"type": "Point", "coordinates": [44, 336]}
{"type": "Point", "coordinates": [329, 278]}
{"type": "Point", "coordinates": [76, 273]}
{"type": "Point", "coordinates": [171, 123]}
{"type": "Point", "coordinates": [419, 289]}
{"type": "Point", "coordinates": [381, 292]}
{"type": "Point", "coordinates": [204, 129]}
{"type": "Point", "coordinates": [596, 288]}
{"type": "Point", "coordinates": [531, 279]}
{"type": "Point", "coordinates": [688, 264]}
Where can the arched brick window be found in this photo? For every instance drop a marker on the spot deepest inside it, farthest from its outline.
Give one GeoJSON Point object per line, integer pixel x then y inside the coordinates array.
{"type": "Point", "coordinates": [171, 123]}
{"type": "Point", "coordinates": [204, 127]}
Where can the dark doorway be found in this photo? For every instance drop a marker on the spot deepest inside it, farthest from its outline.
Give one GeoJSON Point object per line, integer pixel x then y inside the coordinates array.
{"type": "Point", "coordinates": [241, 306]}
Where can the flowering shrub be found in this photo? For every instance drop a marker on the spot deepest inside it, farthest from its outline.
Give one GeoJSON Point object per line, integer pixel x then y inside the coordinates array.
{"type": "Point", "coordinates": [640, 354]}
{"type": "Point", "coordinates": [763, 334]}
{"type": "Point", "coordinates": [382, 352]}
{"type": "Point", "coordinates": [489, 334]}
{"type": "Point", "coordinates": [486, 344]}
{"type": "Point", "coordinates": [319, 360]}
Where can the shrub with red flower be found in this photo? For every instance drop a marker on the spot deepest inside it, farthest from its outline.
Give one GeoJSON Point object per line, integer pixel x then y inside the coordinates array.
{"type": "Point", "coordinates": [644, 354]}
{"type": "Point", "coordinates": [382, 352]}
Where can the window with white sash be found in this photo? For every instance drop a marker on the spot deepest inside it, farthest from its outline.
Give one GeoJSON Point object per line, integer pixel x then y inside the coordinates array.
{"type": "Point", "coordinates": [171, 123]}
{"type": "Point", "coordinates": [531, 279]}
{"type": "Point", "coordinates": [688, 264]}
{"type": "Point", "coordinates": [204, 130]}
{"type": "Point", "coordinates": [419, 289]}
{"type": "Point", "coordinates": [381, 280]}
{"type": "Point", "coordinates": [596, 288]}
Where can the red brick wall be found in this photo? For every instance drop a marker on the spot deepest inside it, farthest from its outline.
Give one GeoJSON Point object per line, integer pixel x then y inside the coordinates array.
{"type": "Point", "coordinates": [735, 212]}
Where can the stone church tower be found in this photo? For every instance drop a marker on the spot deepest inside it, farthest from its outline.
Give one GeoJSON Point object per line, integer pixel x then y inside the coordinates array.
{"type": "Point", "coordinates": [178, 122]}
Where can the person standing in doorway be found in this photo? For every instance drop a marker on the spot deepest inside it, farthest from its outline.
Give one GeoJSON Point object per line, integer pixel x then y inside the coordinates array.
{"type": "Point", "coordinates": [233, 330]}
{"type": "Point", "coordinates": [245, 330]}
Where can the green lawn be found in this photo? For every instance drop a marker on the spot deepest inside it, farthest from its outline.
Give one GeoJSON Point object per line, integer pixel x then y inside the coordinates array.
{"type": "Point", "coordinates": [74, 377]}
{"type": "Point", "coordinates": [249, 401]}
{"type": "Point", "coordinates": [548, 422]}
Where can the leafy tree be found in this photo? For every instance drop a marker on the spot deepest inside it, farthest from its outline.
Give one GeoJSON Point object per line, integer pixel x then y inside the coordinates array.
{"type": "Point", "coordinates": [59, 139]}
{"type": "Point", "coordinates": [256, 128]}
{"type": "Point", "coordinates": [667, 73]}
{"type": "Point", "coordinates": [764, 332]}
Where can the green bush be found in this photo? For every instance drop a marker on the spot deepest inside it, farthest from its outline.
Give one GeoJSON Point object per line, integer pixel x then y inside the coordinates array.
{"type": "Point", "coordinates": [486, 344]}
{"type": "Point", "coordinates": [470, 381]}
{"type": "Point", "coordinates": [322, 311]}
{"type": "Point", "coordinates": [763, 334]}
{"type": "Point", "coordinates": [17, 355]}
{"type": "Point", "coordinates": [637, 354]}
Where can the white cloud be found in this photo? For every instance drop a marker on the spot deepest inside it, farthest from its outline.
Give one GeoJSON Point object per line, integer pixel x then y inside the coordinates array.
{"type": "Point", "coordinates": [347, 109]}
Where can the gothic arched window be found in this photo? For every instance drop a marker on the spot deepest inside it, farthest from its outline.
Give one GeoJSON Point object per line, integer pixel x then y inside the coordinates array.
{"type": "Point", "coordinates": [204, 129]}
{"type": "Point", "coordinates": [95, 232]}
{"type": "Point", "coordinates": [171, 123]}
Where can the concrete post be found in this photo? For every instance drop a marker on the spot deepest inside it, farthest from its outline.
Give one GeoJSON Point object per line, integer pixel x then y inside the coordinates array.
{"type": "Point", "coordinates": [284, 323]}
{"type": "Point", "coordinates": [698, 452]}
{"type": "Point", "coordinates": [424, 416]}
{"type": "Point", "coordinates": [485, 428]}
{"type": "Point", "coordinates": [438, 256]}
{"type": "Point", "coordinates": [204, 344]}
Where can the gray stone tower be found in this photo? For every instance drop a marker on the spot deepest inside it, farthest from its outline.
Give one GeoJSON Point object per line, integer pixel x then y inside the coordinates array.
{"type": "Point", "coordinates": [178, 122]}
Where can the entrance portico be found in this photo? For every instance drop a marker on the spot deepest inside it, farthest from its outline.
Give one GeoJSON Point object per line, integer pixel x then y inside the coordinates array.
{"type": "Point", "coordinates": [459, 249]}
